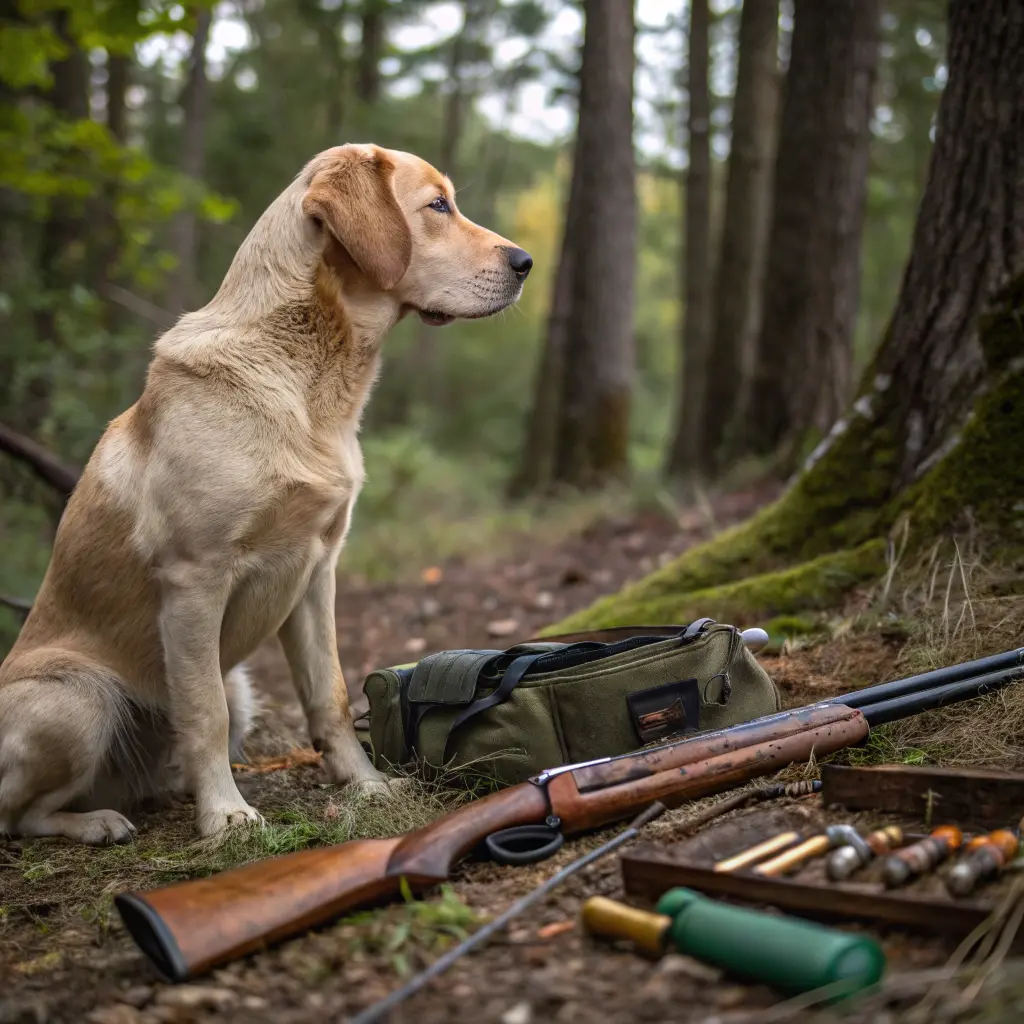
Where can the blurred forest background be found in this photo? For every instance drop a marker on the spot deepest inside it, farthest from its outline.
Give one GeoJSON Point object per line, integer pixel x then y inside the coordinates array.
{"type": "Point", "coordinates": [678, 273]}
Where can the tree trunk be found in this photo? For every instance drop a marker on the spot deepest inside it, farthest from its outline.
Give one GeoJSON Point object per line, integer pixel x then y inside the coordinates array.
{"type": "Point", "coordinates": [741, 262]}
{"type": "Point", "coordinates": [474, 15]}
{"type": "Point", "coordinates": [371, 46]}
{"type": "Point", "coordinates": [537, 468]}
{"type": "Point", "coordinates": [937, 430]}
{"type": "Point", "coordinates": [685, 457]}
{"type": "Point", "coordinates": [193, 152]}
{"type": "Point", "coordinates": [118, 79]}
{"type": "Point", "coordinates": [62, 238]}
{"type": "Point", "coordinates": [107, 231]}
{"type": "Point", "coordinates": [801, 376]}
{"type": "Point", "coordinates": [593, 434]}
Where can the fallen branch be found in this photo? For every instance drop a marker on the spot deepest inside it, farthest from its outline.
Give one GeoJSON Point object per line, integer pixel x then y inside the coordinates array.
{"type": "Point", "coordinates": [16, 604]}
{"type": "Point", "coordinates": [293, 759]}
{"type": "Point", "coordinates": [43, 463]}
{"type": "Point", "coordinates": [139, 306]}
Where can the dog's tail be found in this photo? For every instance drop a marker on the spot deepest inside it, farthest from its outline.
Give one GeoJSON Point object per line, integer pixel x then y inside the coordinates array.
{"type": "Point", "coordinates": [241, 708]}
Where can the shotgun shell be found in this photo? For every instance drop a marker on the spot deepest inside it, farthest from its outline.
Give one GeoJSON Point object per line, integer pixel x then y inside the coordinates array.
{"type": "Point", "coordinates": [783, 952]}
{"type": "Point", "coordinates": [847, 859]}
{"type": "Point", "coordinates": [834, 835]}
{"type": "Point", "coordinates": [921, 857]}
{"type": "Point", "coordinates": [618, 921]}
{"type": "Point", "coordinates": [986, 859]}
{"type": "Point", "coordinates": [759, 852]}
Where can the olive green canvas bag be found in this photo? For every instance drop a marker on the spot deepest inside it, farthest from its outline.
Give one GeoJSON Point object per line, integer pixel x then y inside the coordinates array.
{"type": "Point", "coordinates": [576, 698]}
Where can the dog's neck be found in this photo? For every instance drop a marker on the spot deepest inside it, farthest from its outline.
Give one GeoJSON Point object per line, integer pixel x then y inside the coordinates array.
{"type": "Point", "coordinates": [295, 307]}
{"type": "Point", "coordinates": [283, 264]}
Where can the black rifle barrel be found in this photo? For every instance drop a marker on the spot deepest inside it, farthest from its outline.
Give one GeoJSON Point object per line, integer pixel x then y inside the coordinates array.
{"type": "Point", "coordinates": [907, 704]}
{"type": "Point", "coordinates": [930, 680]}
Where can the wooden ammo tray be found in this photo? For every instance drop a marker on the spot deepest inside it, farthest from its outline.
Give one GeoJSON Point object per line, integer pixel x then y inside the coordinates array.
{"type": "Point", "coordinates": [868, 798]}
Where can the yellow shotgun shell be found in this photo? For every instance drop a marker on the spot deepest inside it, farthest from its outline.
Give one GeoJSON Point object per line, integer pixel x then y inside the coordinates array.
{"type": "Point", "coordinates": [606, 917]}
{"type": "Point", "coordinates": [813, 847]}
{"type": "Point", "coordinates": [756, 853]}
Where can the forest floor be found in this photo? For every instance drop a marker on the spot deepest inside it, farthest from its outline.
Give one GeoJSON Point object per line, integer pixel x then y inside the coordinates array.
{"type": "Point", "coordinates": [64, 956]}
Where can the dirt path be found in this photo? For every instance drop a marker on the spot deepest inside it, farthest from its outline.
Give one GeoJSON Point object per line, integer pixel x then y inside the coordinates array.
{"type": "Point", "coordinates": [68, 965]}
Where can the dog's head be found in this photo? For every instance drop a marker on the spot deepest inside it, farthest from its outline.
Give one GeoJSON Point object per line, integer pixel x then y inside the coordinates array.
{"type": "Point", "coordinates": [390, 220]}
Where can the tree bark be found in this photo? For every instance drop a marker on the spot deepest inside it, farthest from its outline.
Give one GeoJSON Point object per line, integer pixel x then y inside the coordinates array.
{"type": "Point", "coordinates": [968, 240]}
{"type": "Point", "coordinates": [685, 457]}
{"type": "Point", "coordinates": [107, 230]}
{"type": "Point", "coordinates": [193, 153]}
{"type": "Point", "coordinates": [593, 434]}
{"type": "Point", "coordinates": [801, 376]}
{"type": "Point", "coordinates": [118, 80]}
{"type": "Point", "coordinates": [371, 46]}
{"type": "Point", "coordinates": [741, 263]}
{"type": "Point", "coordinates": [62, 238]}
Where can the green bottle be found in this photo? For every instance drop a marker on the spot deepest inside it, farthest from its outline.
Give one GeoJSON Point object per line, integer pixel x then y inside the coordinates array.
{"type": "Point", "coordinates": [783, 952]}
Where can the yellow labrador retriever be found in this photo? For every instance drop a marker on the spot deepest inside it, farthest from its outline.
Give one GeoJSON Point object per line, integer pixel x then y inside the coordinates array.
{"type": "Point", "coordinates": [212, 512]}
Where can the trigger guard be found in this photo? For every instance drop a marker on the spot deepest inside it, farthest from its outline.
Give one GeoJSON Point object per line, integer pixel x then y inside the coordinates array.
{"type": "Point", "coordinates": [524, 844]}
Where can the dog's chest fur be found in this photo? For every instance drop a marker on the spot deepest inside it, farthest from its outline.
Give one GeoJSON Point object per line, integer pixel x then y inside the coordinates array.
{"type": "Point", "coordinates": [303, 525]}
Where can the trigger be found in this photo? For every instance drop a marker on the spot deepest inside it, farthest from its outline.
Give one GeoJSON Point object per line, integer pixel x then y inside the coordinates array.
{"type": "Point", "coordinates": [524, 844]}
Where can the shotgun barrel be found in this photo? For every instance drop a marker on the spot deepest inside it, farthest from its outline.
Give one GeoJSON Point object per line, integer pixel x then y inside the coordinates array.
{"type": "Point", "coordinates": [914, 702]}
{"type": "Point", "coordinates": [930, 680]}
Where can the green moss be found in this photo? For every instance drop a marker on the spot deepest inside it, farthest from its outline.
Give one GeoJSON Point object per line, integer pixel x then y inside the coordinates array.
{"type": "Point", "coordinates": [812, 585]}
{"type": "Point", "coordinates": [982, 475]}
{"type": "Point", "coordinates": [793, 625]}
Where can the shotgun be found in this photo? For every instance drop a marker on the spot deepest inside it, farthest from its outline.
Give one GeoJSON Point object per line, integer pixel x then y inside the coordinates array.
{"type": "Point", "coordinates": [188, 928]}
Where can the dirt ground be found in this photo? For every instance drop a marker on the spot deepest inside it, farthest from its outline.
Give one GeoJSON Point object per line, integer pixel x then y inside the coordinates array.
{"type": "Point", "coordinates": [69, 960]}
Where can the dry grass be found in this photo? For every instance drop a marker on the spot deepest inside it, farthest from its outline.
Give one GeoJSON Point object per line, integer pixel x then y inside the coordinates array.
{"type": "Point", "coordinates": [957, 606]}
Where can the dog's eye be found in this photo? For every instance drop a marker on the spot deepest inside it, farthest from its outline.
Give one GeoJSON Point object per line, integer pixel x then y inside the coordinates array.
{"type": "Point", "coordinates": [441, 205]}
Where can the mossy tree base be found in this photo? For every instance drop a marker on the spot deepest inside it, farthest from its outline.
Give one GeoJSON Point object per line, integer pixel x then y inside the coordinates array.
{"type": "Point", "coordinates": [810, 586]}
{"type": "Point", "coordinates": [827, 533]}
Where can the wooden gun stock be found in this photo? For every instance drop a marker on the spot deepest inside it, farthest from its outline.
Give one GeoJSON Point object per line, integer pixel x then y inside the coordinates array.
{"type": "Point", "coordinates": [191, 927]}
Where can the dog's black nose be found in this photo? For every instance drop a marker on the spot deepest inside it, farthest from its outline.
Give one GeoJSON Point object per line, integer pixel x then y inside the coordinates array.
{"type": "Point", "coordinates": [520, 261]}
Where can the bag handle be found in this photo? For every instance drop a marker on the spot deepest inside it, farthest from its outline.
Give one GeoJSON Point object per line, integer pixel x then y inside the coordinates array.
{"type": "Point", "coordinates": [615, 633]}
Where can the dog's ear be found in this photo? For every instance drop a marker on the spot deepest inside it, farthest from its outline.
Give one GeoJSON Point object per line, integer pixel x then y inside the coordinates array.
{"type": "Point", "coordinates": [353, 196]}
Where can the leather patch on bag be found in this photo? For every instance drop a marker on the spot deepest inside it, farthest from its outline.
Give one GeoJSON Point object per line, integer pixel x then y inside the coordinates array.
{"type": "Point", "coordinates": [665, 710]}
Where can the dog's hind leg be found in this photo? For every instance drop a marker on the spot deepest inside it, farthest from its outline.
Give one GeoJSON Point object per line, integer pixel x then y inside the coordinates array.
{"type": "Point", "coordinates": [54, 737]}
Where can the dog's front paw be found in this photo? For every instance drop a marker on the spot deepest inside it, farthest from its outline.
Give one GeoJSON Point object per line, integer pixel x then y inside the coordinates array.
{"type": "Point", "coordinates": [355, 769]}
{"type": "Point", "coordinates": [213, 820]}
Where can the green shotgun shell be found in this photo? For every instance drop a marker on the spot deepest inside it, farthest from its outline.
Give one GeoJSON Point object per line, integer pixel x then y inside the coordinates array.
{"type": "Point", "coordinates": [784, 952]}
